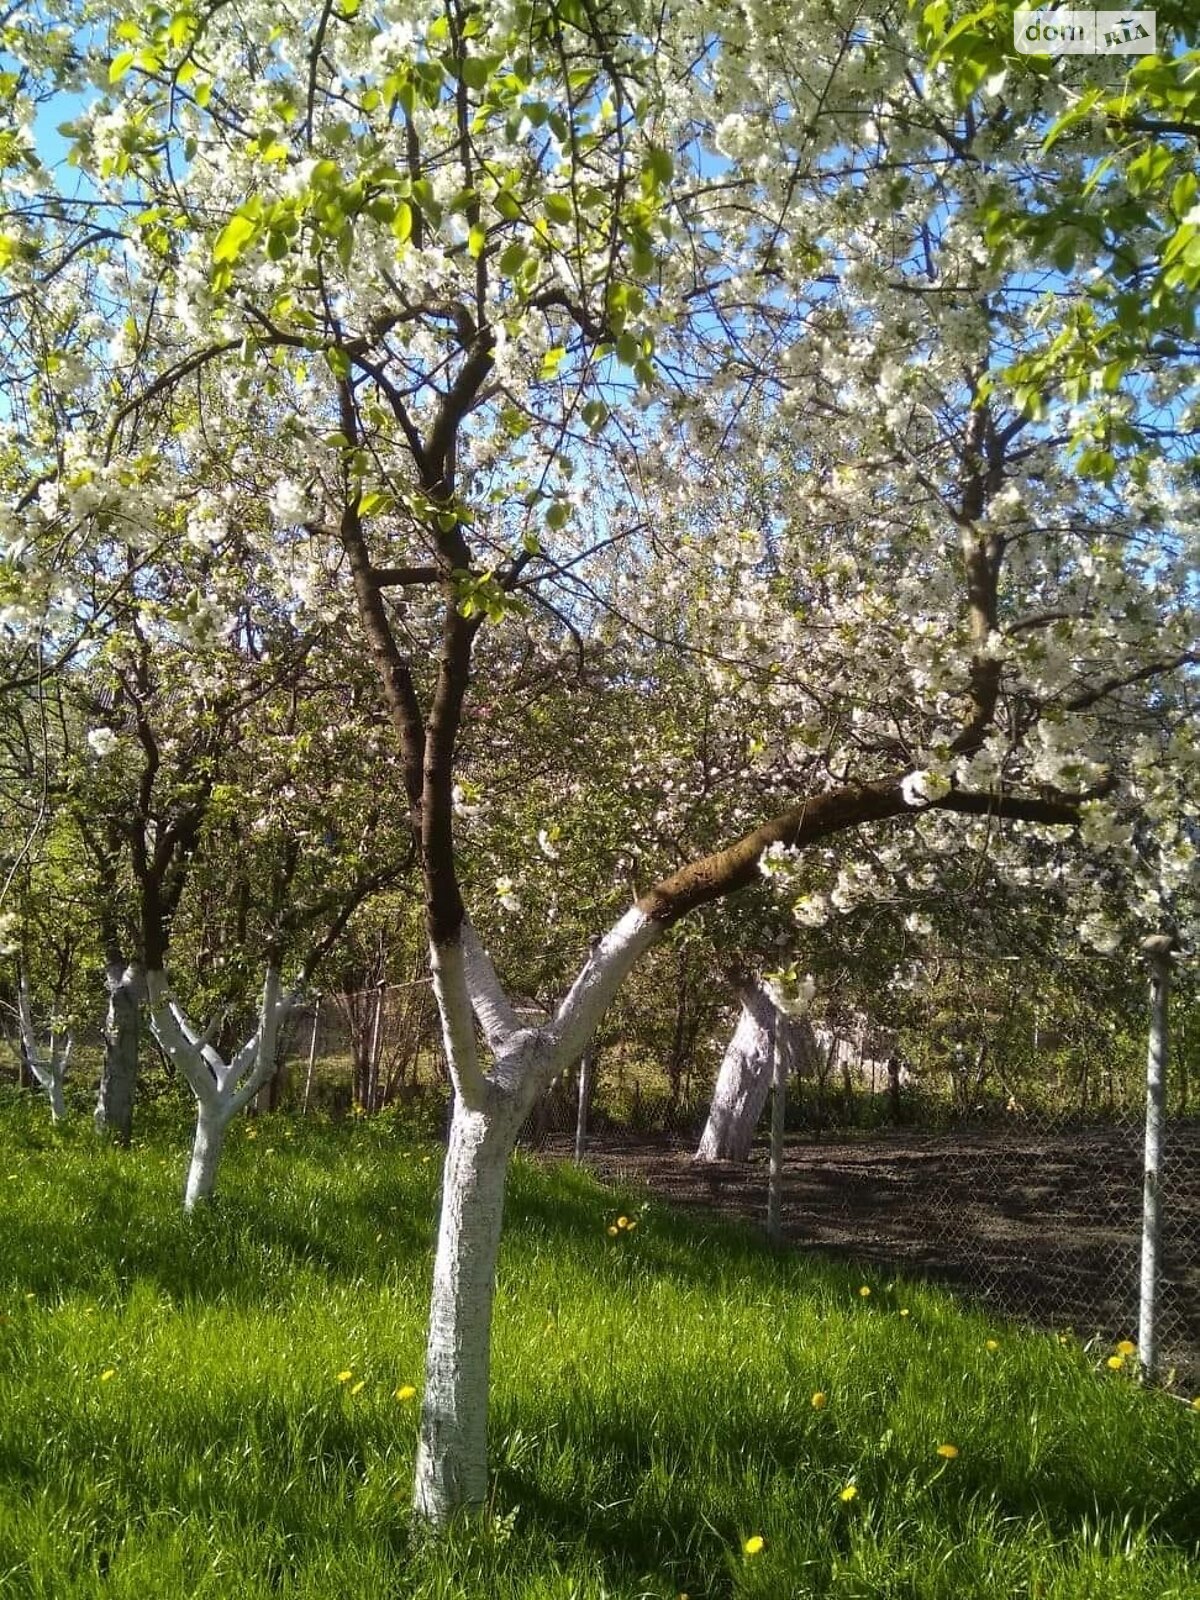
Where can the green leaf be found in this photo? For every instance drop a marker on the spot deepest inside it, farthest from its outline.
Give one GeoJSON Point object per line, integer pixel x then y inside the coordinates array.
{"type": "Point", "coordinates": [660, 165]}
{"type": "Point", "coordinates": [234, 237]}
{"type": "Point", "coordinates": [513, 258]}
{"type": "Point", "coordinates": [338, 361]}
{"type": "Point", "coordinates": [376, 502]}
{"type": "Point", "coordinates": [475, 71]}
{"type": "Point", "coordinates": [120, 65]}
{"type": "Point", "coordinates": [476, 240]}
{"type": "Point", "coordinates": [552, 360]}
{"type": "Point", "coordinates": [402, 222]}
{"type": "Point", "coordinates": [559, 208]}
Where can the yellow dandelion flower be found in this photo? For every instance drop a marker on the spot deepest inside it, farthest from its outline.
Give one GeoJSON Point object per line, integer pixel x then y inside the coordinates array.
{"type": "Point", "coordinates": [864, 1291]}
{"type": "Point", "coordinates": [622, 1222]}
{"type": "Point", "coordinates": [109, 1372]}
{"type": "Point", "coordinates": [405, 1393]}
{"type": "Point", "coordinates": [1196, 1403]}
{"type": "Point", "coordinates": [848, 1493]}
{"type": "Point", "coordinates": [948, 1452]}
{"type": "Point", "coordinates": [345, 1375]}
{"type": "Point", "coordinates": [992, 1344]}
{"type": "Point", "coordinates": [632, 1226]}
{"type": "Point", "coordinates": [356, 1388]}
{"type": "Point", "coordinates": [904, 1311]}
{"type": "Point", "coordinates": [1064, 1338]}
{"type": "Point", "coordinates": [754, 1544]}
{"type": "Point", "coordinates": [820, 1400]}
{"type": "Point", "coordinates": [1115, 1363]}
{"type": "Point", "coordinates": [613, 1230]}
{"type": "Point", "coordinates": [1127, 1348]}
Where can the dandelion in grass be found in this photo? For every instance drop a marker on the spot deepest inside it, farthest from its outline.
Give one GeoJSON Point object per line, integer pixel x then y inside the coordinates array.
{"type": "Point", "coordinates": [622, 1222]}
{"type": "Point", "coordinates": [357, 1388]}
{"type": "Point", "coordinates": [1115, 1363]}
{"type": "Point", "coordinates": [632, 1225]}
{"type": "Point", "coordinates": [850, 1492]}
{"type": "Point", "coordinates": [1127, 1348]}
{"type": "Point", "coordinates": [109, 1372]}
{"type": "Point", "coordinates": [992, 1345]}
{"type": "Point", "coordinates": [904, 1311]}
{"type": "Point", "coordinates": [613, 1230]}
{"type": "Point", "coordinates": [345, 1375]}
{"type": "Point", "coordinates": [753, 1545]}
{"type": "Point", "coordinates": [1196, 1403]}
{"type": "Point", "coordinates": [864, 1292]}
{"type": "Point", "coordinates": [948, 1452]}
{"type": "Point", "coordinates": [820, 1400]}
{"type": "Point", "coordinates": [405, 1393]}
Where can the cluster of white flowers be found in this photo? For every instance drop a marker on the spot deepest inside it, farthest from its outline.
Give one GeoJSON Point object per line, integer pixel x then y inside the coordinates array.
{"type": "Point", "coordinates": [923, 787]}
{"type": "Point", "coordinates": [289, 503]}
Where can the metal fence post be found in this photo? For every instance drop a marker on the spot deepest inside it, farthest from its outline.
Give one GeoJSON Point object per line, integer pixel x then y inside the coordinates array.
{"type": "Point", "coordinates": [586, 1066]}
{"type": "Point", "coordinates": [312, 1056]}
{"type": "Point", "coordinates": [778, 1114]}
{"type": "Point", "coordinates": [1157, 950]}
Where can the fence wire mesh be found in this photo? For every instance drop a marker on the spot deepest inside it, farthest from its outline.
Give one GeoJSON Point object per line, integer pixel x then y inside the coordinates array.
{"type": "Point", "coordinates": [1019, 1182]}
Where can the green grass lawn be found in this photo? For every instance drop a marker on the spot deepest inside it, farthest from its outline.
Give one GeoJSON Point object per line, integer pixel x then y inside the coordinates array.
{"type": "Point", "coordinates": [210, 1407]}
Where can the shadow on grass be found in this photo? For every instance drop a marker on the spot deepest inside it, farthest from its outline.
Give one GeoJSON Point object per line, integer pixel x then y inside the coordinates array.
{"type": "Point", "coordinates": [682, 1533]}
{"type": "Point", "coordinates": [107, 1225]}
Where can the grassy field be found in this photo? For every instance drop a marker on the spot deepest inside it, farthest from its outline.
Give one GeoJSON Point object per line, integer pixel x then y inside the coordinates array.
{"type": "Point", "coordinates": [228, 1406]}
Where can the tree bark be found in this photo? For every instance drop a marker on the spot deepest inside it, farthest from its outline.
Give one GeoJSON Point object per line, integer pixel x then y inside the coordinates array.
{"type": "Point", "coordinates": [221, 1088]}
{"type": "Point", "coordinates": [743, 1081]}
{"type": "Point", "coordinates": [122, 1038]}
{"type": "Point", "coordinates": [48, 1068]}
{"type": "Point", "coordinates": [211, 1123]}
{"type": "Point", "coordinates": [451, 1474]}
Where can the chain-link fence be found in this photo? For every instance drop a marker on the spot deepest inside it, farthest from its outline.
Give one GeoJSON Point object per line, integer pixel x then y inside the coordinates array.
{"type": "Point", "coordinates": [1006, 1157]}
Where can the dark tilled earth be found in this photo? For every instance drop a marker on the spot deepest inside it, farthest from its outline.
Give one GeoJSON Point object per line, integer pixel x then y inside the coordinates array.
{"type": "Point", "coordinates": [1044, 1227]}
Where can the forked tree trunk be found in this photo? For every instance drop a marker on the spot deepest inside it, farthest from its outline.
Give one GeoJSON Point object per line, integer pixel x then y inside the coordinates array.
{"type": "Point", "coordinates": [452, 1457]}
{"type": "Point", "coordinates": [489, 1108]}
{"type": "Point", "coordinates": [221, 1088]}
{"type": "Point", "coordinates": [49, 1067]}
{"type": "Point", "coordinates": [743, 1081]}
{"type": "Point", "coordinates": [122, 1038]}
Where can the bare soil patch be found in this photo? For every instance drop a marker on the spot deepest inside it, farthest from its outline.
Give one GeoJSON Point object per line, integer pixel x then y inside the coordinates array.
{"type": "Point", "coordinates": [1041, 1226]}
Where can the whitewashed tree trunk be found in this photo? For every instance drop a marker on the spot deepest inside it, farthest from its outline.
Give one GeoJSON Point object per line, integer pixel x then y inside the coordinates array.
{"type": "Point", "coordinates": [221, 1088]}
{"type": "Point", "coordinates": [122, 1027]}
{"type": "Point", "coordinates": [489, 1107]}
{"type": "Point", "coordinates": [452, 1456]}
{"type": "Point", "coordinates": [743, 1081]}
{"type": "Point", "coordinates": [211, 1123]}
{"type": "Point", "coordinates": [49, 1067]}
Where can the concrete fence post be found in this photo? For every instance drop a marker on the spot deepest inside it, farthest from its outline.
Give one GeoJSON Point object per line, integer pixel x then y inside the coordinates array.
{"type": "Point", "coordinates": [1157, 951]}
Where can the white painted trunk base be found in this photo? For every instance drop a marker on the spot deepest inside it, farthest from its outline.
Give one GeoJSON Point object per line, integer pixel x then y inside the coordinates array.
{"type": "Point", "coordinates": [206, 1156]}
{"type": "Point", "coordinates": [49, 1068]}
{"type": "Point", "coordinates": [118, 1077]}
{"type": "Point", "coordinates": [742, 1083]}
{"type": "Point", "coordinates": [221, 1088]}
{"type": "Point", "coordinates": [489, 1107]}
{"type": "Point", "coordinates": [452, 1459]}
